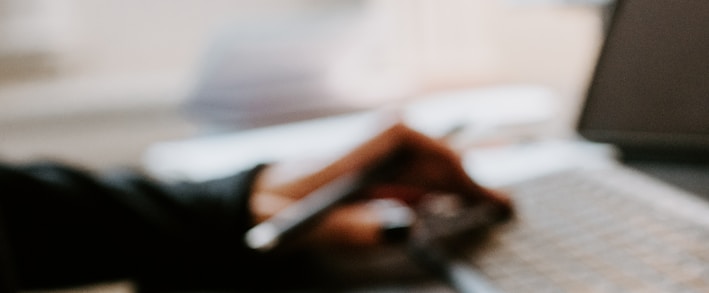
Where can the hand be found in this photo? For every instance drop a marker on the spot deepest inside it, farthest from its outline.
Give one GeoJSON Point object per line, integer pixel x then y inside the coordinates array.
{"type": "Point", "coordinates": [428, 166]}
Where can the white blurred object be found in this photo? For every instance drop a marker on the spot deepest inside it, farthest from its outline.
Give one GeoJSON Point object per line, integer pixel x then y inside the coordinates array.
{"type": "Point", "coordinates": [204, 158]}
{"type": "Point", "coordinates": [210, 157]}
{"type": "Point", "coordinates": [483, 111]}
{"type": "Point", "coordinates": [513, 163]}
{"type": "Point", "coordinates": [303, 65]}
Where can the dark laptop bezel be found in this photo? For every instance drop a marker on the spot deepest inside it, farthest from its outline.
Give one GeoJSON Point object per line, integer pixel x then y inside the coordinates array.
{"type": "Point", "coordinates": [636, 144]}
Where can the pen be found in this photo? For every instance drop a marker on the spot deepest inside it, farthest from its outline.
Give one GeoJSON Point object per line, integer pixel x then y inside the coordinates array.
{"type": "Point", "coordinates": [269, 234]}
{"type": "Point", "coordinates": [430, 245]}
{"type": "Point", "coordinates": [458, 274]}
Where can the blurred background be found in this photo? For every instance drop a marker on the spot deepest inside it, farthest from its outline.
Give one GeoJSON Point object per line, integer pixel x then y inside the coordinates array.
{"type": "Point", "coordinates": [95, 82]}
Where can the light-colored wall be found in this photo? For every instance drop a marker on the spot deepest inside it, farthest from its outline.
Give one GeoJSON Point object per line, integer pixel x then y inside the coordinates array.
{"type": "Point", "coordinates": [115, 71]}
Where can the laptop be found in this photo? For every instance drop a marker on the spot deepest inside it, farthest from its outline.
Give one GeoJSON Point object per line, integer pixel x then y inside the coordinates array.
{"type": "Point", "coordinates": [649, 93]}
{"type": "Point", "coordinates": [638, 222]}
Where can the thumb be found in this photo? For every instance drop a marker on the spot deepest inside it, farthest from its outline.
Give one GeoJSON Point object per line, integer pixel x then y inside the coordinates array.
{"type": "Point", "coordinates": [365, 224]}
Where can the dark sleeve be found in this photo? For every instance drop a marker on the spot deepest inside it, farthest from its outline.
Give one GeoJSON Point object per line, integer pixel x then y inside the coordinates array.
{"type": "Point", "coordinates": [65, 227]}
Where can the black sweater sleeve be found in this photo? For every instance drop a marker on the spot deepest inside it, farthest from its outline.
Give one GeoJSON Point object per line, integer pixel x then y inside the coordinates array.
{"type": "Point", "coordinates": [62, 226]}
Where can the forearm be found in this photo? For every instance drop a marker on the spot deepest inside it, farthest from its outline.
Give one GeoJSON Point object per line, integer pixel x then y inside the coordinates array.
{"type": "Point", "coordinates": [65, 227]}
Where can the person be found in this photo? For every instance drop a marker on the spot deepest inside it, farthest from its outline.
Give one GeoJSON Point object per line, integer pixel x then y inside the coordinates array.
{"type": "Point", "coordinates": [63, 226]}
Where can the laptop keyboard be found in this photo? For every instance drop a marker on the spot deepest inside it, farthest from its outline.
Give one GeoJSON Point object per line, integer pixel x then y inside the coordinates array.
{"type": "Point", "coordinates": [599, 231]}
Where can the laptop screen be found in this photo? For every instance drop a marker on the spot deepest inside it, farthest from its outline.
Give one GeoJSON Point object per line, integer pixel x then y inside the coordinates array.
{"type": "Point", "coordinates": [650, 91]}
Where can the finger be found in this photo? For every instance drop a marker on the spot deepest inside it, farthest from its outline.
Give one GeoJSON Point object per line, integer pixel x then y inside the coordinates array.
{"type": "Point", "coordinates": [263, 205]}
{"type": "Point", "coordinates": [298, 179]}
{"type": "Point", "coordinates": [364, 224]}
{"type": "Point", "coordinates": [503, 200]}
